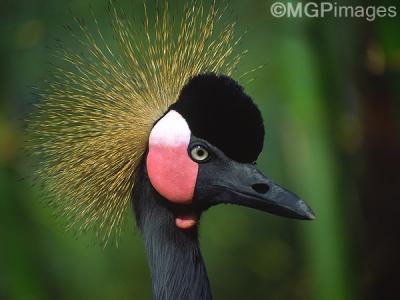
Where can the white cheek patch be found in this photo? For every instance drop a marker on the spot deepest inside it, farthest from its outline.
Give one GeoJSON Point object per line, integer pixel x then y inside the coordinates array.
{"type": "Point", "coordinates": [171, 131]}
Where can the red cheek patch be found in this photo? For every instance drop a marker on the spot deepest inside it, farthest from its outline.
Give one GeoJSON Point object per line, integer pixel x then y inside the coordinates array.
{"type": "Point", "coordinates": [171, 171]}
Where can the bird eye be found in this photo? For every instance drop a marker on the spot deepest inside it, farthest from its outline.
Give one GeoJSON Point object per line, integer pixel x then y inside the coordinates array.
{"type": "Point", "coordinates": [199, 153]}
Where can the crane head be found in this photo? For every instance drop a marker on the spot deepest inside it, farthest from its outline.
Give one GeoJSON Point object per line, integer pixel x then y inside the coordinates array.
{"type": "Point", "coordinates": [108, 109]}
{"type": "Point", "coordinates": [202, 152]}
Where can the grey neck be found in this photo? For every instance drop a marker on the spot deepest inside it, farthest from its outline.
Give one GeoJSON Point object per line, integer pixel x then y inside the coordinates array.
{"type": "Point", "coordinates": [176, 265]}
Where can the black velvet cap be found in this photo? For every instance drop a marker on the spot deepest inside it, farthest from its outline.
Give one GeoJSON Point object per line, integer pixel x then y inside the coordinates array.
{"type": "Point", "coordinates": [218, 111]}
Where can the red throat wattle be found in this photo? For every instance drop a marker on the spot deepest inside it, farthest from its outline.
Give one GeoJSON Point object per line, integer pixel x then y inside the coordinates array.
{"type": "Point", "coordinates": [186, 221]}
{"type": "Point", "coordinates": [171, 171]}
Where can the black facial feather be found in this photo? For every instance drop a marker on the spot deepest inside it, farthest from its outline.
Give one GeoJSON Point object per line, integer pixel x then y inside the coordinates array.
{"type": "Point", "coordinates": [218, 110]}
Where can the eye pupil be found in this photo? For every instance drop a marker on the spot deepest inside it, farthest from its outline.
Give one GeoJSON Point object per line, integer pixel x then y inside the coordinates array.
{"type": "Point", "coordinates": [200, 152]}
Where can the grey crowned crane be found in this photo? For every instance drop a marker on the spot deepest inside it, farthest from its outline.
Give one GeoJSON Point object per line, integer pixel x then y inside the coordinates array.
{"type": "Point", "coordinates": [157, 122]}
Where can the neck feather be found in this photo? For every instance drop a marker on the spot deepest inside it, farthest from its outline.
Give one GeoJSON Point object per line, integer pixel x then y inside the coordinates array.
{"type": "Point", "coordinates": [176, 265]}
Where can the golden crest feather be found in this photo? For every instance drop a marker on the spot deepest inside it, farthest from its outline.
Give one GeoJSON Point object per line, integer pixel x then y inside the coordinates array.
{"type": "Point", "coordinates": [90, 129]}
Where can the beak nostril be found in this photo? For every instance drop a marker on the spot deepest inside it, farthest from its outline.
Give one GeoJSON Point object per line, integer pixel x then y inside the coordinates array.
{"type": "Point", "coordinates": [260, 188]}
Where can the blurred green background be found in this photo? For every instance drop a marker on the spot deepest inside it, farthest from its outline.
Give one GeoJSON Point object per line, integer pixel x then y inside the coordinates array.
{"type": "Point", "coordinates": [330, 96]}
